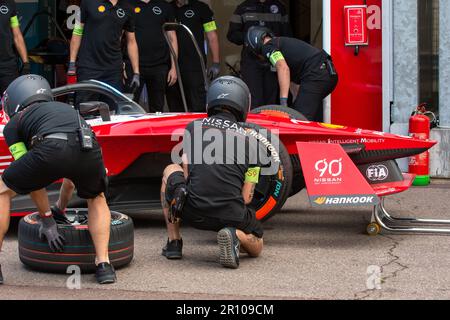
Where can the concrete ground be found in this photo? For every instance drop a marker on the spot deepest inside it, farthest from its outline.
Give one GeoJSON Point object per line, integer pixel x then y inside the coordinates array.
{"type": "Point", "coordinates": [309, 254]}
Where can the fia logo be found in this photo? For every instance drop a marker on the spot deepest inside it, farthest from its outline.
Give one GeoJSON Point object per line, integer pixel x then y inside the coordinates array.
{"type": "Point", "coordinates": [377, 173]}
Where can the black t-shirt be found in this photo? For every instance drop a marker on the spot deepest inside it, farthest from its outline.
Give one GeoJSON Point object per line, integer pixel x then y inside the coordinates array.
{"type": "Point", "coordinates": [297, 53]}
{"type": "Point", "coordinates": [8, 19]}
{"type": "Point", "coordinates": [150, 17]}
{"type": "Point", "coordinates": [219, 155]}
{"type": "Point", "coordinates": [103, 29]}
{"type": "Point", "coordinates": [196, 16]}
{"type": "Point", "coordinates": [40, 120]}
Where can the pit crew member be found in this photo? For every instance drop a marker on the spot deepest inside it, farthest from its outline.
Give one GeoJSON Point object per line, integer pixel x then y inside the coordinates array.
{"type": "Point", "coordinates": [298, 62]}
{"type": "Point", "coordinates": [215, 196]}
{"type": "Point", "coordinates": [10, 36]}
{"type": "Point", "coordinates": [95, 48]}
{"type": "Point", "coordinates": [43, 137]}
{"type": "Point", "coordinates": [156, 64]}
{"type": "Point", "coordinates": [199, 18]}
{"type": "Point", "coordinates": [257, 73]}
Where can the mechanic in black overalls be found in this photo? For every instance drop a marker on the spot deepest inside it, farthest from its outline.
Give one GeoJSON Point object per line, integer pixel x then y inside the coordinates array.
{"type": "Point", "coordinates": [257, 73]}
{"type": "Point", "coordinates": [214, 194]}
{"type": "Point", "coordinates": [199, 18]}
{"type": "Point", "coordinates": [95, 49]}
{"type": "Point", "coordinates": [10, 35]}
{"type": "Point", "coordinates": [43, 137]}
{"type": "Point", "coordinates": [296, 61]}
{"type": "Point", "coordinates": [157, 68]}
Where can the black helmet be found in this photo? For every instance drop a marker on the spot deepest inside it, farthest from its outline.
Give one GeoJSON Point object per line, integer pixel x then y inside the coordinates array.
{"type": "Point", "coordinates": [25, 91]}
{"type": "Point", "coordinates": [229, 93]}
{"type": "Point", "coordinates": [255, 37]}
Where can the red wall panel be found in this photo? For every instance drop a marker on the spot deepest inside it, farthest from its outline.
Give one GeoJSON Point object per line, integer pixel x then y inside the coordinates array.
{"type": "Point", "coordinates": [357, 100]}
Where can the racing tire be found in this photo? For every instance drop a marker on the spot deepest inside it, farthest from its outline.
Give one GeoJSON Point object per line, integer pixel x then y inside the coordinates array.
{"type": "Point", "coordinates": [298, 180]}
{"type": "Point", "coordinates": [272, 191]}
{"type": "Point", "coordinates": [79, 249]}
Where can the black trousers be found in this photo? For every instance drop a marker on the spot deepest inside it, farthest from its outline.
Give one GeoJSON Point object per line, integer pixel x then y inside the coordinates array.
{"type": "Point", "coordinates": [112, 78]}
{"type": "Point", "coordinates": [262, 82]}
{"type": "Point", "coordinates": [317, 84]}
{"type": "Point", "coordinates": [7, 75]}
{"type": "Point", "coordinates": [155, 80]}
{"type": "Point", "coordinates": [194, 89]}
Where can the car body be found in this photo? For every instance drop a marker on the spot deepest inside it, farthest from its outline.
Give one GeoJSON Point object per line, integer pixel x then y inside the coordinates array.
{"type": "Point", "coordinates": [137, 147]}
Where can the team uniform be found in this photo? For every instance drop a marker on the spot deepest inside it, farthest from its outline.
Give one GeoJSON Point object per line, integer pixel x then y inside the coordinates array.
{"type": "Point", "coordinates": [258, 74]}
{"type": "Point", "coordinates": [44, 141]}
{"type": "Point", "coordinates": [199, 18]}
{"type": "Point", "coordinates": [214, 198]}
{"type": "Point", "coordinates": [100, 55]}
{"type": "Point", "coordinates": [8, 59]}
{"type": "Point", "coordinates": [310, 67]}
{"type": "Point", "coordinates": [154, 53]}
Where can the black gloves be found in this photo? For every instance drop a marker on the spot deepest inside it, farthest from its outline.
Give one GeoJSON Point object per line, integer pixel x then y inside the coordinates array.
{"type": "Point", "coordinates": [214, 71]}
{"type": "Point", "coordinates": [49, 230]}
{"type": "Point", "coordinates": [136, 81]}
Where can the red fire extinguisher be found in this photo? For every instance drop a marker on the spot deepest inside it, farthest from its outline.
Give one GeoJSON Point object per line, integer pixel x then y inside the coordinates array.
{"type": "Point", "coordinates": [420, 128]}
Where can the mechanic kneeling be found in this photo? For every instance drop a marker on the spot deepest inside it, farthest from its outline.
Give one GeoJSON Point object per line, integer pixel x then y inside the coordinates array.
{"type": "Point", "coordinates": [215, 195]}
{"type": "Point", "coordinates": [43, 137]}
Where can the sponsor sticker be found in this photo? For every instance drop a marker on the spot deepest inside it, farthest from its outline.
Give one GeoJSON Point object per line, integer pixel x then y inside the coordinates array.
{"type": "Point", "coordinates": [4, 9]}
{"type": "Point", "coordinates": [120, 13]}
{"type": "Point", "coordinates": [332, 126]}
{"type": "Point", "coordinates": [189, 14]}
{"type": "Point", "coordinates": [352, 200]}
{"type": "Point", "coordinates": [377, 173]}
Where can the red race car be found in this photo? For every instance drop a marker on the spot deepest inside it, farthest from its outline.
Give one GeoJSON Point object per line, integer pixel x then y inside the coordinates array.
{"type": "Point", "coordinates": [138, 146]}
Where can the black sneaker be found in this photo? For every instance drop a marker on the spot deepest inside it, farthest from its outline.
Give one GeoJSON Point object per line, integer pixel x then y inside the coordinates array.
{"type": "Point", "coordinates": [105, 273]}
{"type": "Point", "coordinates": [229, 246]}
{"type": "Point", "coordinates": [173, 249]}
{"type": "Point", "coordinates": [1, 276]}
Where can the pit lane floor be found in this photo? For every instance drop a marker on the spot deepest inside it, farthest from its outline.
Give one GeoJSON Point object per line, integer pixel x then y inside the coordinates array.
{"type": "Point", "coordinates": [309, 254]}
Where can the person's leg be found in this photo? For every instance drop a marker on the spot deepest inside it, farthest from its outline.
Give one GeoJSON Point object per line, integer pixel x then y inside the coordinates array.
{"type": "Point", "coordinates": [99, 227]}
{"type": "Point", "coordinates": [253, 77]}
{"type": "Point", "coordinates": [174, 100]}
{"type": "Point", "coordinates": [309, 100]}
{"type": "Point", "coordinates": [271, 87]}
{"type": "Point", "coordinates": [195, 91]}
{"type": "Point", "coordinates": [173, 229]}
{"type": "Point", "coordinates": [65, 194]}
{"type": "Point", "coordinates": [6, 195]}
{"type": "Point", "coordinates": [40, 199]}
{"type": "Point", "coordinates": [156, 86]}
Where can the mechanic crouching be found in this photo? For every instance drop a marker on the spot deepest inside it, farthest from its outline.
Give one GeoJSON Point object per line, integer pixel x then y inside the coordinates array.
{"type": "Point", "coordinates": [214, 195]}
{"type": "Point", "coordinates": [45, 140]}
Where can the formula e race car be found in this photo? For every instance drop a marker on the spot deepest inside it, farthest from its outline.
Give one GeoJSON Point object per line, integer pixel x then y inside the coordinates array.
{"type": "Point", "coordinates": [338, 165]}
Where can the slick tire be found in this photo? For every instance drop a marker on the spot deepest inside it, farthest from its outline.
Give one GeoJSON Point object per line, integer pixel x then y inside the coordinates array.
{"type": "Point", "coordinates": [272, 190]}
{"type": "Point", "coordinates": [298, 180]}
{"type": "Point", "coordinates": [79, 249]}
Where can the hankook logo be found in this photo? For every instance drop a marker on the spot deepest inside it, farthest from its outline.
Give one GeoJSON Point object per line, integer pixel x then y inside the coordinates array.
{"type": "Point", "coordinates": [345, 201]}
